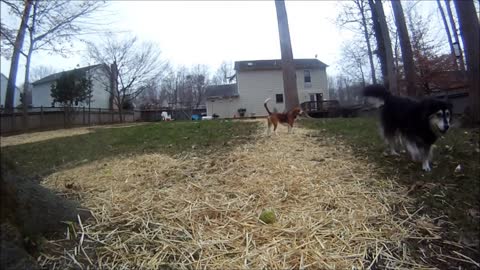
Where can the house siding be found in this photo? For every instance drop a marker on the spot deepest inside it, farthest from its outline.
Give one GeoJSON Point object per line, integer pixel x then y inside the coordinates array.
{"type": "Point", "coordinates": [3, 92]}
{"type": "Point", "coordinates": [100, 98]}
{"type": "Point", "coordinates": [224, 108]}
{"type": "Point", "coordinates": [256, 86]}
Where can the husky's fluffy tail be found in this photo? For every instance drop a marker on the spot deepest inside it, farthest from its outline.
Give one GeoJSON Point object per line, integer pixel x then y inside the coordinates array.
{"type": "Point", "coordinates": [376, 91]}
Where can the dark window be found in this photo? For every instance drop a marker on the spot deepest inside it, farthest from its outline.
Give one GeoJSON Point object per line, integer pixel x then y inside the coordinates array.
{"type": "Point", "coordinates": [279, 98]}
{"type": "Point", "coordinates": [307, 77]}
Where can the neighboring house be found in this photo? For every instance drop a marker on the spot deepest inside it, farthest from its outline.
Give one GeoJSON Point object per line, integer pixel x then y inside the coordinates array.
{"type": "Point", "coordinates": [261, 79]}
{"type": "Point", "coordinates": [100, 81]}
{"type": "Point", "coordinates": [3, 92]}
{"type": "Point", "coordinates": [451, 86]}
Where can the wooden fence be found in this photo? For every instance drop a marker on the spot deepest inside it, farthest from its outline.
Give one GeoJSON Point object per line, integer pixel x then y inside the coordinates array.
{"type": "Point", "coordinates": [41, 118]}
{"type": "Point", "coordinates": [48, 118]}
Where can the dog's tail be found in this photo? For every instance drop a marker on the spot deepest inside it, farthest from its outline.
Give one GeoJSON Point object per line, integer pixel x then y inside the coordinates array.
{"type": "Point", "coordinates": [266, 107]}
{"type": "Point", "coordinates": [377, 91]}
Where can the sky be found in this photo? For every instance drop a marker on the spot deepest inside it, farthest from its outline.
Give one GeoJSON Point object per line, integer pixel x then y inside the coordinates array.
{"type": "Point", "coordinates": [199, 32]}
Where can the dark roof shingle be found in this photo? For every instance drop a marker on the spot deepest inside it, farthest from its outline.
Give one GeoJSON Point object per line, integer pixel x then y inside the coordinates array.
{"type": "Point", "coordinates": [53, 77]}
{"type": "Point", "coordinates": [277, 64]}
{"type": "Point", "coordinates": [224, 90]}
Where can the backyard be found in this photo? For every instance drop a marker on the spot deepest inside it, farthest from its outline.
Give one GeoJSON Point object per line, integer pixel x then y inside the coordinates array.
{"type": "Point", "coordinates": [188, 195]}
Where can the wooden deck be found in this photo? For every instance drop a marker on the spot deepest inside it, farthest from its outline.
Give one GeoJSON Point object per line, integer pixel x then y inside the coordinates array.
{"type": "Point", "coordinates": [329, 108]}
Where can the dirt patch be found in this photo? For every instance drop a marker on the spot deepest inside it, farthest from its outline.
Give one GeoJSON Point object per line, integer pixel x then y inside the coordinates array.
{"type": "Point", "coordinates": [332, 210]}
{"type": "Point", "coordinates": [52, 134]}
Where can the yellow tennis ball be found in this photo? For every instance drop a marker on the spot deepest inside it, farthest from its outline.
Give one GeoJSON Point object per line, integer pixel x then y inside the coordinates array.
{"type": "Point", "coordinates": [268, 216]}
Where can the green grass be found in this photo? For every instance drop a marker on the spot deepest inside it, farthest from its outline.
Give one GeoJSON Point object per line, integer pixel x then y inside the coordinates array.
{"type": "Point", "coordinates": [452, 194]}
{"type": "Point", "coordinates": [171, 138]}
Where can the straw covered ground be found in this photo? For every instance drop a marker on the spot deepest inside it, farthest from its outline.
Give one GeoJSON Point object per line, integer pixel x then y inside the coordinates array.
{"type": "Point", "coordinates": [189, 211]}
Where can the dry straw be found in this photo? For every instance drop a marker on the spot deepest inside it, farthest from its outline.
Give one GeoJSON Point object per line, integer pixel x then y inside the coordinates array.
{"type": "Point", "coordinates": [201, 212]}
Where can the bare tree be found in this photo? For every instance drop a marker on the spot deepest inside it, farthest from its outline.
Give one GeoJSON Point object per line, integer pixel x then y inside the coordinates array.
{"type": "Point", "coordinates": [384, 45]}
{"type": "Point", "coordinates": [224, 74]}
{"type": "Point", "coordinates": [129, 64]}
{"type": "Point", "coordinates": [406, 47]}
{"type": "Point", "coordinates": [447, 31]}
{"type": "Point", "coordinates": [429, 59]}
{"type": "Point", "coordinates": [17, 48]}
{"type": "Point", "coordinates": [53, 26]}
{"type": "Point", "coordinates": [354, 60]}
{"type": "Point", "coordinates": [355, 12]}
{"type": "Point", "coordinates": [470, 31]}
{"type": "Point", "coordinates": [198, 82]}
{"type": "Point", "coordinates": [185, 88]}
{"type": "Point", "coordinates": [153, 97]}
{"type": "Point", "coordinates": [288, 64]}
{"type": "Point", "coordinates": [41, 71]}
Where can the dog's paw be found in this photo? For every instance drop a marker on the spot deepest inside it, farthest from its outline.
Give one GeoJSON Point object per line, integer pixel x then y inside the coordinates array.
{"type": "Point", "coordinates": [394, 153]}
{"type": "Point", "coordinates": [426, 167]}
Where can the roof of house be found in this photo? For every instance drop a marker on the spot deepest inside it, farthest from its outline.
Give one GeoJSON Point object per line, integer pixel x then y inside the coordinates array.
{"type": "Point", "coordinates": [53, 77]}
{"type": "Point", "coordinates": [274, 64]}
{"type": "Point", "coordinates": [449, 80]}
{"type": "Point", "coordinates": [224, 90]}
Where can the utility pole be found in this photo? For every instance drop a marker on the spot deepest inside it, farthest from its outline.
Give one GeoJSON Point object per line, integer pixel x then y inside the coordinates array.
{"type": "Point", "coordinates": [288, 65]}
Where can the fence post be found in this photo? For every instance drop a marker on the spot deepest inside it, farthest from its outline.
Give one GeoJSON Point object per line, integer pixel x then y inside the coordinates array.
{"type": "Point", "coordinates": [83, 120]}
{"type": "Point", "coordinates": [13, 119]}
{"type": "Point", "coordinates": [99, 116]}
{"type": "Point", "coordinates": [64, 117]}
{"type": "Point", "coordinates": [89, 115]}
{"type": "Point", "coordinates": [41, 116]}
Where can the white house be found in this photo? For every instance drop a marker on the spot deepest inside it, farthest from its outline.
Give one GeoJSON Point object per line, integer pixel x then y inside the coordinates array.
{"type": "Point", "coordinates": [261, 79]}
{"type": "Point", "coordinates": [3, 92]}
{"type": "Point", "coordinates": [100, 97]}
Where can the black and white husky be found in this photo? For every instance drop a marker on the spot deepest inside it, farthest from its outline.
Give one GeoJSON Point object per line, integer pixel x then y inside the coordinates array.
{"type": "Point", "coordinates": [416, 125]}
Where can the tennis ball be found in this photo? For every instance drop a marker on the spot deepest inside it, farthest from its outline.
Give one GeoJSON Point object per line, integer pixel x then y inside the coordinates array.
{"type": "Point", "coordinates": [268, 216]}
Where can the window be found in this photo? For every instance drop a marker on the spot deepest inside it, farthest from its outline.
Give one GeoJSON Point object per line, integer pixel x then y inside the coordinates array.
{"type": "Point", "coordinates": [76, 102]}
{"type": "Point", "coordinates": [279, 98]}
{"type": "Point", "coordinates": [306, 76]}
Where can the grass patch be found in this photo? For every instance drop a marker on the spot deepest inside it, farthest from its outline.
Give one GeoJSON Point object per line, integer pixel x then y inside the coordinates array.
{"type": "Point", "coordinates": [442, 192]}
{"type": "Point", "coordinates": [43, 157]}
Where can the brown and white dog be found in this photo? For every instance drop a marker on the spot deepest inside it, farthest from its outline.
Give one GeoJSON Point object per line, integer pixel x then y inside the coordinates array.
{"type": "Point", "coordinates": [287, 118]}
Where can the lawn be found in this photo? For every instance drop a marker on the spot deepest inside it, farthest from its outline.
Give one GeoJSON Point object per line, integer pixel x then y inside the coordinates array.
{"type": "Point", "coordinates": [446, 194]}
{"type": "Point", "coordinates": [175, 194]}
{"type": "Point", "coordinates": [44, 157]}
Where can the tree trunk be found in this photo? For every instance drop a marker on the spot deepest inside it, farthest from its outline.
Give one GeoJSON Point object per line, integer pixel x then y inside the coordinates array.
{"type": "Point", "coordinates": [369, 46]}
{"type": "Point", "coordinates": [406, 47]}
{"type": "Point", "coordinates": [455, 34]}
{"type": "Point", "coordinates": [380, 44]}
{"type": "Point", "coordinates": [288, 65]}
{"type": "Point", "coordinates": [27, 93]}
{"type": "Point", "coordinates": [449, 35]}
{"type": "Point", "coordinates": [392, 81]}
{"type": "Point", "coordinates": [470, 31]}
{"type": "Point", "coordinates": [12, 78]}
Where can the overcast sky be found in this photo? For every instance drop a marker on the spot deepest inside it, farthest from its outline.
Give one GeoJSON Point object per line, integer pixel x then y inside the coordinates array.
{"type": "Point", "coordinates": [195, 32]}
